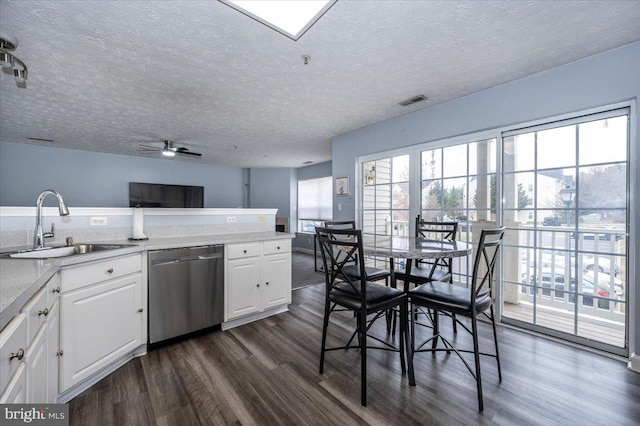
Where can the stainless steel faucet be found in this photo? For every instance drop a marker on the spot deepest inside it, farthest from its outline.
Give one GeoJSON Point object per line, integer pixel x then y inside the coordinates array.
{"type": "Point", "coordinates": [39, 236]}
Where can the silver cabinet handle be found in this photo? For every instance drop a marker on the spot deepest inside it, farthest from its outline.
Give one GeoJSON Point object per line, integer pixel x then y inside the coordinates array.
{"type": "Point", "coordinates": [244, 251]}
{"type": "Point", "coordinates": [56, 290]}
{"type": "Point", "coordinates": [44, 312]}
{"type": "Point", "coordinates": [257, 285]}
{"type": "Point", "coordinates": [140, 310]}
{"type": "Point", "coordinates": [59, 353]}
{"type": "Point", "coordinates": [19, 355]}
{"type": "Point", "coordinates": [110, 270]}
{"type": "Point", "coordinates": [267, 283]}
{"type": "Point", "coordinates": [278, 248]}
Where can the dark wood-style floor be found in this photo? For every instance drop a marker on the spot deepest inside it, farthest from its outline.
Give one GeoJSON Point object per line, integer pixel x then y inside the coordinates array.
{"type": "Point", "coordinates": [266, 373]}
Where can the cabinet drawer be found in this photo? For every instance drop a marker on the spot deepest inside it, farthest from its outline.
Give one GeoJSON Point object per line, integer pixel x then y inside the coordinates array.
{"type": "Point", "coordinates": [91, 273]}
{"type": "Point", "coordinates": [13, 340]}
{"type": "Point", "coordinates": [36, 311]}
{"type": "Point", "coordinates": [239, 251]}
{"type": "Point", "coordinates": [277, 246]}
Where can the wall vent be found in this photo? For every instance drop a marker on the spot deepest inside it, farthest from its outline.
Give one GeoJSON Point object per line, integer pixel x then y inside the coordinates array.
{"type": "Point", "coordinates": [414, 100]}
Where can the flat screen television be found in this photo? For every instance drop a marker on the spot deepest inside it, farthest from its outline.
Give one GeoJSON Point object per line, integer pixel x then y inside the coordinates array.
{"type": "Point", "coordinates": [167, 196]}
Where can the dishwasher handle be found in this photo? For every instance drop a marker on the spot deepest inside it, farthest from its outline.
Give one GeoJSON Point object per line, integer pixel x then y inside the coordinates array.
{"type": "Point", "coordinates": [187, 259]}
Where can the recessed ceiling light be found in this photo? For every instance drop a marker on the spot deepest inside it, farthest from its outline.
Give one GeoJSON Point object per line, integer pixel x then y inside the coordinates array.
{"type": "Point", "coordinates": [289, 17]}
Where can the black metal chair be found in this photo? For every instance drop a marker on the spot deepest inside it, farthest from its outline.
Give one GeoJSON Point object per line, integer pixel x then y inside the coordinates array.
{"type": "Point", "coordinates": [362, 297]}
{"type": "Point", "coordinates": [426, 270]}
{"type": "Point", "coordinates": [352, 269]}
{"type": "Point", "coordinates": [469, 302]}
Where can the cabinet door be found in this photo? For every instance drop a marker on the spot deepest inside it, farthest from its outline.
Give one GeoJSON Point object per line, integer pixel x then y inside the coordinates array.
{"type": "Point", "coordinates": [243, 287]}
{"type": "Point", "coordinates": [53, 345]}
{"type": "Point", "coordinates": [37, 368]}
{"type": "Point", "coordinates": [276, 274]}
{"type": "Point", "coordinates": [98, 325]}
{"type": "Point", "coordinates": [16, 391]}
{"type": "Point", "coordinates": [13, 346]}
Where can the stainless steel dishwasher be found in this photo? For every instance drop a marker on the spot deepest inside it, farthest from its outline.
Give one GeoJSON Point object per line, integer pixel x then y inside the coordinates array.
{"type": "Point", "coordinates": [186, 291]}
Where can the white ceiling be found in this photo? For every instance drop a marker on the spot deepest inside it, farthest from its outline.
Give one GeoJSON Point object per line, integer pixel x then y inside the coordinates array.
{"type": "Point", "coordinates": [107, 75]}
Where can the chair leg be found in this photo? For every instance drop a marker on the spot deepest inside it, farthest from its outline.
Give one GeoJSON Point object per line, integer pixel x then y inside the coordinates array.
{"type": "Point", "coordinates": [495, 339]}
{"type": "Point", "coordinates": [436, 329]}
{"type": "Point", "coordinates": [476, 355]}
{"type": "Point", "coordinates": [324, 334]}
{"type": "Point", "coordinates": [405, 319]}
{"type": "Point", "coordinates": [363, 357]}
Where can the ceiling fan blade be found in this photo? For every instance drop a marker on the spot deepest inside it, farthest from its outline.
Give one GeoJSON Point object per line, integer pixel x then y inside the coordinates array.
{"type": "Point", "coordinates": [188, 153]}
{"type": "Point", "coordinates": [154, 148]}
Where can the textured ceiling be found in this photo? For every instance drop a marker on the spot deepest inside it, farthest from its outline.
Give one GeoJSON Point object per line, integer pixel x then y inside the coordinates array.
{"type": "Point", "coordinates": [107, 75]}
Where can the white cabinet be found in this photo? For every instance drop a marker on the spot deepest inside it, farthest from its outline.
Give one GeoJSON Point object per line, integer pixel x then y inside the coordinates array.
{"type": "Point", "coordinates": [37, 368]}
{"type": "Point", "coordinates": [26, 365]}
{"type": "Point", "coordinates": [257, 277]}
{"type": "Point", "coordinates": [53, 347]}
{"type": "Point", "coordinates": [13, 346]}
{"type": "Point", "coordinates": [101, 316]}
{"type": "Point", "coordinates": [276, 273]}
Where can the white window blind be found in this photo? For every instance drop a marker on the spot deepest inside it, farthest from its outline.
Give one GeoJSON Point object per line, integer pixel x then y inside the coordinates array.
{"type": "Point", "coordinates": [315, 200]}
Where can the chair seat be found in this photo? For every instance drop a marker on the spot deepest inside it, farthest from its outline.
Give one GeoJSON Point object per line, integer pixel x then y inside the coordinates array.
{"type": "Point", "coordinates": [377, 296]}
{"type": "Point", "coordinates": [373, 274]}
{"type": "Point", "coordinates": [420, 274]}
{"type": "Point", "coordinates": [442, 295]}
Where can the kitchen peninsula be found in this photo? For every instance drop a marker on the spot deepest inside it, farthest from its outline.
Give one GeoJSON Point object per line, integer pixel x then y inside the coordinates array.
{"type": "Point", "coordinates": [96, 303]}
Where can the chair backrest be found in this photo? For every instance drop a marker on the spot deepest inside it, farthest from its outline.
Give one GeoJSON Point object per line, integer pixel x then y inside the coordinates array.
{"type": "Point", "coordinates": [343, 224]}
{"type": "Point", "coordinates": [485, 262]}
{"type": "Point", "coordinates": [436, 230]}
{"type": "Point", "coordinates": [338, 248]}
{"type": "Point", "coordinates": [340, 224]}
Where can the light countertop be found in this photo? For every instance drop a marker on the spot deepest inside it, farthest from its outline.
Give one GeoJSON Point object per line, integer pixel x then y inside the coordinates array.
{"type": "Point", "coordinates": [20, 279]}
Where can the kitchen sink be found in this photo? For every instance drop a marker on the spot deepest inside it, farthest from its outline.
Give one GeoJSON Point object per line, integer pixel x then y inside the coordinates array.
{"type": "Point", "coordinates": [64, 251]}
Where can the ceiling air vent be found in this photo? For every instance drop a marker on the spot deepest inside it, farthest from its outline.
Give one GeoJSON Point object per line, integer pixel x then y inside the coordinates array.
{"type": "Point", "coordinates": [40, 139]}
{"type": "Point", "coordinates": [414, 100]}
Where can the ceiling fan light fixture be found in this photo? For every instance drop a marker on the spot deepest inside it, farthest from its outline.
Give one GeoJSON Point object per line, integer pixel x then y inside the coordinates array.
{"type": "Point", "coordinates": [20, 75]}
{"type": "Point", "coordinates": [6, 60]}
{"type": "Point", "coordinates": [168, 153]}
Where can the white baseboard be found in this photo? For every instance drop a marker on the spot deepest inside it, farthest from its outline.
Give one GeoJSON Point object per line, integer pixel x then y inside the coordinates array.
{"type": "Point", "coordinates": [254, 317]}
{"type": "Point", "coordinates": [634, 362]}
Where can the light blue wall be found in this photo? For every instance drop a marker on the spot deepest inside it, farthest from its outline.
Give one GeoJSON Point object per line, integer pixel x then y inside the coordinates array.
{"type": "Point", "coordinates": [271, 188]}
{"type": "Point", "coordinates": [600, 80]}
{"type": "Point", "coordinates": [315, 171]}
{"type": "Point", "coordinates": [91, 179]}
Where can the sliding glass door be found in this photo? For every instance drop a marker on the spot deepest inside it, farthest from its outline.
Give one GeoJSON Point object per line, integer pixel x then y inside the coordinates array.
{"type": "Point", "coordinates": [567, 252]}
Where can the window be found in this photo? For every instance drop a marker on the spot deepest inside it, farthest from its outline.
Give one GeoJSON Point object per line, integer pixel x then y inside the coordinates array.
{"type": "Point", "coordinates": [315, 203]}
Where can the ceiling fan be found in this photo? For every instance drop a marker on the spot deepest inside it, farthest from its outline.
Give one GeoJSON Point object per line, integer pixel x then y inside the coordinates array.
{"type": "Point", "coordinates": [168, 150]}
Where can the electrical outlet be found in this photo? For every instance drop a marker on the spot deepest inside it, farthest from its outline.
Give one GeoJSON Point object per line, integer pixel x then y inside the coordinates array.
{"type": "Point", "coordinates": [98, 221]}
{"type": "Point", "coordinates": [231, 219]}
{"type": "Point", "coordinates": [262, 218]}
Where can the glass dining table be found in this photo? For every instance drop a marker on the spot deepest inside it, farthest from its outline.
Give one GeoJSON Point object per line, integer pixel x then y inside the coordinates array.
{"type": "Point", "coordinates": [412, 248]}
